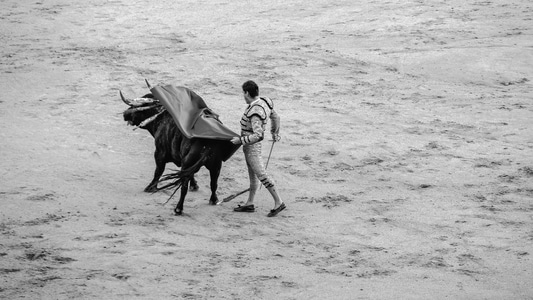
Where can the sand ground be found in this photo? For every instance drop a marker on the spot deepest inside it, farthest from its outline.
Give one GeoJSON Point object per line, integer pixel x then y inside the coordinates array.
{"type": "Point", "coordinates": [406, 161]}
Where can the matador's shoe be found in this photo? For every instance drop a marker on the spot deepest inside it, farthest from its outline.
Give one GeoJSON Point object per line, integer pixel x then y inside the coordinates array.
{"type": "Point", "coordinates": [245, 208]}
{"type": "Point", "coordinates": [274, 212]}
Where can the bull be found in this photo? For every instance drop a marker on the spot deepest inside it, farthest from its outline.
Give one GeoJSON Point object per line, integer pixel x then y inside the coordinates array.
{"type": "Point", "coordinates": [172, 146]}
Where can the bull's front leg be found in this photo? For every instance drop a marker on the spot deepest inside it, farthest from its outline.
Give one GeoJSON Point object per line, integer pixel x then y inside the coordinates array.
{"type": "Point", "coordinates": [193, 184]}
{"type": "Point", "coordinates": [178, 210]}
{"type": "Point", "coordinates": [152, 186]}
{"type": "Point", "coordinates": [159, 169]}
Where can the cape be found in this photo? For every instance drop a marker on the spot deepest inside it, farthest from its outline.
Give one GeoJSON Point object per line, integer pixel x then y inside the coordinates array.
{"type": "Point", "coordinates": [192, 116]}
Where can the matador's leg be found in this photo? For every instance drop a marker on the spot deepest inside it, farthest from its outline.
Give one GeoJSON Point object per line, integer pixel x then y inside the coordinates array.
{"type": "Point", "coordinates": [257, 173]}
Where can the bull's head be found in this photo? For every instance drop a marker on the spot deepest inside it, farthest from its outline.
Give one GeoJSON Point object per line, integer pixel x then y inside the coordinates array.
{"type": "Point", "coordinates": [142, 110]}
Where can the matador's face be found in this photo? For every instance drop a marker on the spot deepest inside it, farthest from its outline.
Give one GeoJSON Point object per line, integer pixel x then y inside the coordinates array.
{"type": "Point", "coordinates": [247, 97]}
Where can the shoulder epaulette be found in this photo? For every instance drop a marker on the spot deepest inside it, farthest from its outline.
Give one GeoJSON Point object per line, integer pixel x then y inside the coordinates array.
{"type": "Point", "coordinates": [268, 101]}
{"type": "Point", "coordinates": [257, 110]}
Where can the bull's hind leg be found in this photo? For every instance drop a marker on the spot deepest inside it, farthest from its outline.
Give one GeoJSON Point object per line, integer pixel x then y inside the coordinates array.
{"type": "Point", "coordinates": [192, 156]}
{"type": "Point", "coordinates": [178, 210]}
{"type": "Point", "coordinates": [214, 173]}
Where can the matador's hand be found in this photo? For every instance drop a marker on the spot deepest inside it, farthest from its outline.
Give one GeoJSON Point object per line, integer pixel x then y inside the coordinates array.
{"type": "Point", "coordinates": [236, 140]}
{"type": "Point", "coordinates": [276, 137]}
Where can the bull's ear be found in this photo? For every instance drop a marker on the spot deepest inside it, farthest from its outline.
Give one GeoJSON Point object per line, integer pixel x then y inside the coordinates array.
{"type": "Point", "coordinates": [148, 84]}
{"type": "Point", "coordinates": [124, 99]}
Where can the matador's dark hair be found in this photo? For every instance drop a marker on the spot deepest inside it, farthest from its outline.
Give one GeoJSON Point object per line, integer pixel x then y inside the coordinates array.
{"type": "Point", "coordinates": [251, 87]}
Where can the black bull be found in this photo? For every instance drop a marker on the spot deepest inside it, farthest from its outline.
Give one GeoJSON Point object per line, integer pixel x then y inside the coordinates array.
{"type": "Point", "coordinates": [172, 146]}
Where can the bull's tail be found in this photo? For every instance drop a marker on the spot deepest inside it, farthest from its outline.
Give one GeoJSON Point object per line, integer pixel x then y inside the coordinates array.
{"type": "Point", "coordinates": [177, 177]}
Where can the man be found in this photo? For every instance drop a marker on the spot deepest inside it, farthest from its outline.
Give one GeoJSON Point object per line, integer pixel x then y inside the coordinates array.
{"type": "Point", "coordinates": [253, 124]}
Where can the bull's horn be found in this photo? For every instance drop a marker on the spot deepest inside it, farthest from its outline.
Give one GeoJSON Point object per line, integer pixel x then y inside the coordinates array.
{"type": "Point", "coordinates": [124, 99]}
{"type": "Point", "coordinates": [148, 84]}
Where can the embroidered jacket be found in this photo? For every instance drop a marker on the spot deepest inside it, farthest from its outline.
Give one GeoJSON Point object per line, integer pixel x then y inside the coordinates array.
{"type": "Point", "coordinates": [254, 120]}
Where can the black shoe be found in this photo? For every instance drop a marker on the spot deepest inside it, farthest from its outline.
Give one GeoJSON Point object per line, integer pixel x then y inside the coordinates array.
{"type": "Point", "coordinates": [245, 208]}
{"type": "Point", "coordinates": [274, 212]}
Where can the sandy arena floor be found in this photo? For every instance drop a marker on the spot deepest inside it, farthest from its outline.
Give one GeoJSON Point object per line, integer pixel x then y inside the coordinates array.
{"type": "Point", "coordinates": [406, 161]}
